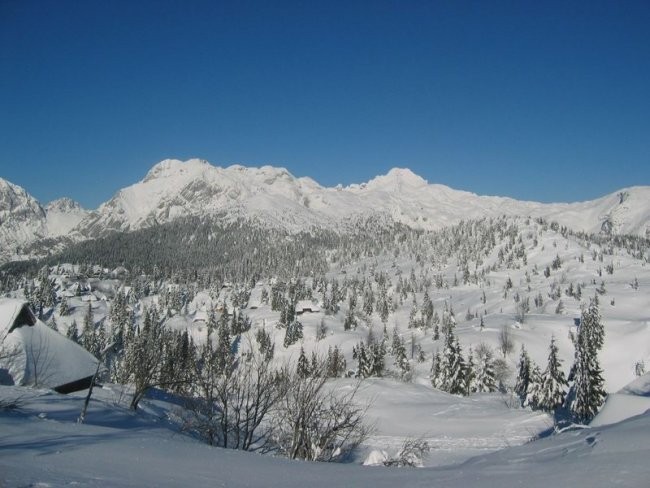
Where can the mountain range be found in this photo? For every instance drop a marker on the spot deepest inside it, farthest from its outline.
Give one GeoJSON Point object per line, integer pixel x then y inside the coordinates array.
{"type": "Point", "coordinates": [273, 197]}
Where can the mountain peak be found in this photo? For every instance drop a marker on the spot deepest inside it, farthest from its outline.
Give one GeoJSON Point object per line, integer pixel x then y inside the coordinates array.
{"type": "Point", "coordinates": [14, 198]}
{"type": "Point", "coordinates": [168, 167]}
{"type": "Point", "coordinates": [396, 179]}
{"type": "Point", "coordinates": [63, 205]}
{"type": "Point", "coordinates": [406, 175]}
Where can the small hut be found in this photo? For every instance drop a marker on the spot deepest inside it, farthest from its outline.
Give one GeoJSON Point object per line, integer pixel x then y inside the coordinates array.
{"type": "Point", "coordinates": [35, 355]}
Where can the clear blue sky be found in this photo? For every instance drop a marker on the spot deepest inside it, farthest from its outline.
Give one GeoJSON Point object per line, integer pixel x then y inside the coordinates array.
{"type": "Point", "coordinates": [533, 100]}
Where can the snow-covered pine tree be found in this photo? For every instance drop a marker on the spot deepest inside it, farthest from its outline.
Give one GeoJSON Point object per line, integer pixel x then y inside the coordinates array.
{"type": "Point", "coordinates": [335, 363]}
{"type": "Point", "coordinates": [303, 369]}
{"type": "Point", "coordinates": [52, 324]}
{"type": "Point", "coordinates": [484, 377]}
{"type": "Point", "coordinates": [73, 332]}
{"type": "Point", "coordinates": [533, 394]}
{"type": "Point", "coordinates": [293, 333]}
{"type": "Point", "coordinates": [471, 371]}
{"type": "Point", "coordinates": [435, 370]}
{"type": "Point", "coordinates": [64, 308]}
{"type": "Point", "coordinates": [523, 375]}
{"type": "Point", "coordinates": [212, 322]}
{"type": "Point", "coordinates": [315, 365]}
{"type": "Point", "coordinates": [364, 360]}
{"type": "Point", "coordinates": [225, 356]}
{"type": "Point", "coordinates": [265, 344]}
{"type": "Point", "coordinates": [88, 339]}
{"type": "Point", "coordinates": [435, 320]}
{"type": "Point", "coordinates": [377, 351]}
{"type": "Point", "coordinates": [587, 393]}
{"type": "Point", "coordinates": [458, 385]}
{"type": "Point", "coordinates": [553, 382]}
{"type": "Point", "coordinates": [401, 362]}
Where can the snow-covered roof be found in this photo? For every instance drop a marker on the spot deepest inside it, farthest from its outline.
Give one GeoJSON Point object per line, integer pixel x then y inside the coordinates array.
{"type": "Point", "coordinates": [202, 301]}
{"type": "Point", "coordinates": [305, 305]}
{"type": "Point", "coordinates": [37, 354]}
{"type": "Point", "coordinates": [200, 315]}
{"type": "Point", "coordinates": [9, 310]}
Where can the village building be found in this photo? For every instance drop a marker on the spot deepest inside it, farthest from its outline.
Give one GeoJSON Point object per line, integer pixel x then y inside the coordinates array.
{"type": "Point", "coordinates": [32, 354]}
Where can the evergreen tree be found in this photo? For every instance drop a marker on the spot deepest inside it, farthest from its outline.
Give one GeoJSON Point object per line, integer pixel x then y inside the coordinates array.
{"type": "Point", "coordinates": [553, 382]}
{"type": "Point", "coordinates": [533, 395]}
{"type": "Point", "coordinates": [401, 361]}
{"type": "Point", "coordinates": [64, 308]}
{"type": "Point", "coordinates": [265, 344]}
{"type": "Point", "coordinates": [212, 322]}
{"type": "Point", "coordinates": [523, 375]}
{"type": "Point", "coordinates": [375, 352]}
{"type": "Point", "coordinates": [293, 333]}
{"type": "Point", "coordinates": [350, 321]}
{"type": "Point", "coordinates": [303, 369]}
{"type": "Point", "coordinates": [452, 368]}
{"type": "Point", "coordinates": [335, 363]}
{"type": "Point", "coordinates": [587, 393]}
{"type": "Point", "coordinates": [315, 367]}
{"type": "Point", "coordinates": [435, 320]}
{"type": "Point", "coordinates": [225, 356]}
{"type": "Point", "coordinates": [88, 339]}
{"type": "Point", "coordinates": [458, 384]}
{"type": "Point", "coordinates": [470, 374]}
{"type": "Point", "coordinates": [364, 360]}
{"type": "Point", "coordinates": [435, 370]}
{"type": "Point", "coordinates": [52, 324]}
{"type": "Point", "coordinates": [484, 379]}
{"type": "Point", "coordinates": [73, 332]}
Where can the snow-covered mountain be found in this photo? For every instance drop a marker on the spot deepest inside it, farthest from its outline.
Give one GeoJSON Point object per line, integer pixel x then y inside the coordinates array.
{"type": "Point", "coordinates": [23, 220]}
{"type": "Point", "coordinates": [173, 189]}
{"type": "Point", "coordinates": [273, 197]}
{"type": "Point", "coordinates": [63, 215]}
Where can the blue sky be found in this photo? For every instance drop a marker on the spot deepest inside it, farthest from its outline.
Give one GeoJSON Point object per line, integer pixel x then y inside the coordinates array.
{"type": "Point", "coordinates": [535, 100]}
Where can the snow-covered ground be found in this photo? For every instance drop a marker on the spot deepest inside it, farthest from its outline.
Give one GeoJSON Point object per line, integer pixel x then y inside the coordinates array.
{"type": "Point", "coordinates": [41, 445]}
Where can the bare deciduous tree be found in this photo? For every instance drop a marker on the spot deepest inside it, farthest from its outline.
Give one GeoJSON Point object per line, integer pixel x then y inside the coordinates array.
{"type": "Point", "coordinates": [410, 454]}
{"type": "Point", "coordinates": [506, 342]}
{"type": "Point", "coordinates": [229, 406]}
{"type": "Point", "coordinates": [317, 424]}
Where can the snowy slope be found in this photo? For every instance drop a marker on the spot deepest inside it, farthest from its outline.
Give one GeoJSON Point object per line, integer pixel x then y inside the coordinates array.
{"type": "Point", "coordinates": [633, 399]}
{"type": "Point", "coordinates": [43, 446]}
{"type": "Point", "coordinates": [626, 211]}
{"type": "Point", "coordinates": [63, 215]}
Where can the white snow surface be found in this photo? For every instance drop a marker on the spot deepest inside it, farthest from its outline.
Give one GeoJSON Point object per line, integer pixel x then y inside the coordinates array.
{"type": "Point", "coordinates": [633, 399]}
{"type": "Point", "coordinates": [43, 446]}
{"type": "Point", "coordinates": [63, 215]}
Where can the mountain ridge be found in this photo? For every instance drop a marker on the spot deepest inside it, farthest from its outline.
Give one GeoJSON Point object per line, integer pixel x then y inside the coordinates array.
{"type": "Point", "coordinates": [272, 196]}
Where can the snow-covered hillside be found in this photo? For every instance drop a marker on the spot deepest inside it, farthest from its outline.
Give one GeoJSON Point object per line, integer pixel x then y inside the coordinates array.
{"type": "Point", "coordinates": [63, 215]}
{"type": "Point", "coordinates": [42, 445]}
{"type": "Point", "coordinates": [478, 272]}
